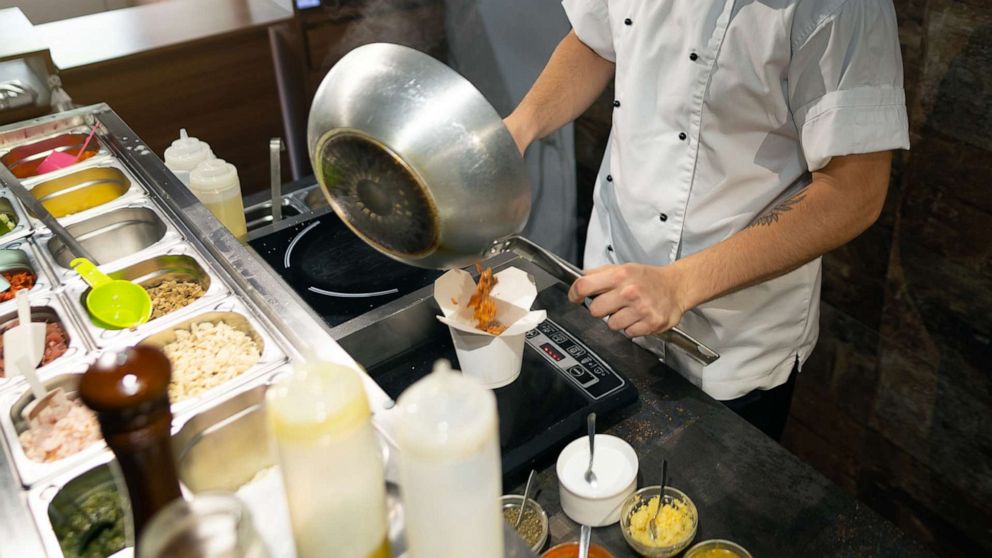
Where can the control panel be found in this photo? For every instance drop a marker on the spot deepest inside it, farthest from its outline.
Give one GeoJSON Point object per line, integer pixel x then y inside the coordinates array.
{"type": "Point", "coordinates": [574, 360]}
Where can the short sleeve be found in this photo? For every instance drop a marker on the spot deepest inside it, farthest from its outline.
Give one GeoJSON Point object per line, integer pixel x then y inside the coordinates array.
{"type": "Point", "coordinates": [845, 83]}
{"type": "Point", "coordinates": [590, 20]}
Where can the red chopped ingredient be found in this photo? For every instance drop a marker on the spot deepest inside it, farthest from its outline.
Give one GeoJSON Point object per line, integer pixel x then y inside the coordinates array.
{"type": "Point", "coordinates": [18, 280]}
{"type": "Point", "coordinates": [56, 342]}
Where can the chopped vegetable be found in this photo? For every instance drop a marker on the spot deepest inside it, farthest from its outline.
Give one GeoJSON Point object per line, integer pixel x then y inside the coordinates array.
{"type": "Point", "coordinates": [18, 280]}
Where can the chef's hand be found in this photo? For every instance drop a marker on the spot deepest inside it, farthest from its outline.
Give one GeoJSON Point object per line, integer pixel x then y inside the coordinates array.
{"type": "Point", "coordinates": [640, 299]}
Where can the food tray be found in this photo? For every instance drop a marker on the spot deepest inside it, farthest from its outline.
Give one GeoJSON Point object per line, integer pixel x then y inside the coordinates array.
{"type": "Point", "coordinates": [50, 306]}
{"type": "Point", "coordinates": [236, 314]}
{"type": "Point", "coordinates": [14, 400]}
{"type": "Point", "coordinates": [177, 260]}
{"type": "Point", "coordinates": [135, 192]}
{"type": "Point", "coordinates": [43, 283]}
{"type": "Point", "coordinates": [147, 229]}
{"type": "Point", "coordinates": [14, 141]}
{"type": "Point", "coordinates": [10, 205]}
{"type": "Point", "coordinates": [86, 475]}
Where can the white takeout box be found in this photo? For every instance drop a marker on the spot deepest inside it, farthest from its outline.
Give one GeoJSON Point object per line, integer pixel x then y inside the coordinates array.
{"type": "Point", "coordinates": [494, 360]}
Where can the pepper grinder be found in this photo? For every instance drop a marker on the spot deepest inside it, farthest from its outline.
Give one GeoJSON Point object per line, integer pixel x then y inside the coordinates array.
{"type": "Point", "coordinates": [129, 391]}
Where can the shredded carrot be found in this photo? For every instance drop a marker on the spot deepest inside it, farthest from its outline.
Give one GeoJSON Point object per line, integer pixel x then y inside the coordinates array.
{"type": "Point", "coordinates": [18, 280]}
{"type": "Point", "coordinates": [454, 301]}
{"type": "Point", "coordinates": [483, 303]}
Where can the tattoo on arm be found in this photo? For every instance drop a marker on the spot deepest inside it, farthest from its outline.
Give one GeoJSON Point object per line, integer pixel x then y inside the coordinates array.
{"type": "Point", "coordinates": [772, 216]}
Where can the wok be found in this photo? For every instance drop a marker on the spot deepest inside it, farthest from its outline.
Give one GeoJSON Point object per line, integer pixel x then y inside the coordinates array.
{"type": "Point", "coordinates": [418, 164]}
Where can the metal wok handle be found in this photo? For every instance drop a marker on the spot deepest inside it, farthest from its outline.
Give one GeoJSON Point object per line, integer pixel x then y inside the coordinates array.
{"type": "Point", "coordinates": [568, 273]}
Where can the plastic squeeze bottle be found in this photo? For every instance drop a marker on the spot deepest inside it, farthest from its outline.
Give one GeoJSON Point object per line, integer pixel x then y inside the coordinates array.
{"type": "Point", "coordinates": [448, 437]}
{"type": "Point", "coordinates": [184, 154]}
{"type": "Point", "coordinates": [215, 183]}
{"type": "Point", "coordinates": [331, 463]}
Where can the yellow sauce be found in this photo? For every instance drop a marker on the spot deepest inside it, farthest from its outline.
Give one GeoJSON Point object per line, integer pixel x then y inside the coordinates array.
{"type": "Point", "coordinates": [81, 190]}
{"type": "Point", "coordinates": [674, 523]}
{"type": "Point", "coordinates": [81, 200]}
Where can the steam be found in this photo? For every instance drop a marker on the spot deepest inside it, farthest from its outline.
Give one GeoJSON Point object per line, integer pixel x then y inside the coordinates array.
{"type": "Point", "coordinates": [418, 25]}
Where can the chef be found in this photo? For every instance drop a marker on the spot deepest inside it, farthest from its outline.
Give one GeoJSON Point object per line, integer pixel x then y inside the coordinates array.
{"type": "Point", "coordinates": [749, 138]}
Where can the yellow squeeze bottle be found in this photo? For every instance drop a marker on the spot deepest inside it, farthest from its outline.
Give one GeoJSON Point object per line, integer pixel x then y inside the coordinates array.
{"type": "Point", "coordinates": [331, 463]}
{"type": "Point", "coordinates": [215, 183]}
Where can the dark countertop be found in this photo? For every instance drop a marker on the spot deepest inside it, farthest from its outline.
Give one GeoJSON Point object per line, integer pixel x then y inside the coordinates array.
{"type": "Point", "coordinates": [746, 487]}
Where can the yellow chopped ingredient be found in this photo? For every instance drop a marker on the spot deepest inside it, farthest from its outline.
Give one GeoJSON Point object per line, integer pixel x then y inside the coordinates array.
{"type": "Point", "coordinates": [674, 523]}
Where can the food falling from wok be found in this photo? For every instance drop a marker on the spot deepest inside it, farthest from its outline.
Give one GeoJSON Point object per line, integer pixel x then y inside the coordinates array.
{"type": "Point", "coordinates": [483, 304]}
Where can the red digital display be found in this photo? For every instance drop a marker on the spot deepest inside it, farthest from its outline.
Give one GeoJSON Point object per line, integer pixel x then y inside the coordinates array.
{"type": "Point", "coordinates": [552, 352]}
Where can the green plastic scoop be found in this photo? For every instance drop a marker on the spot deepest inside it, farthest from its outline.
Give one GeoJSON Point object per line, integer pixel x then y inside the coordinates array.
{"type": "Point", "coordinates": [115, 303]}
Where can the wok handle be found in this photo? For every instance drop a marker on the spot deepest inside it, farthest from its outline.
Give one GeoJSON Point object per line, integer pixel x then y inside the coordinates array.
{"type": "Point", "coordinates": [568, 273]}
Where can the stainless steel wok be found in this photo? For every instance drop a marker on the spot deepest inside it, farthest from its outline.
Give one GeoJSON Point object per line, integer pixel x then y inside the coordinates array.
{"type": "Point", "coordinates": [418, 164]}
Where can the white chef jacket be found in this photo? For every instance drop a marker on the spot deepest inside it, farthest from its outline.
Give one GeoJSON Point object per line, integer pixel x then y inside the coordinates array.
{"type": "Point", "coordinates": [723, 108]}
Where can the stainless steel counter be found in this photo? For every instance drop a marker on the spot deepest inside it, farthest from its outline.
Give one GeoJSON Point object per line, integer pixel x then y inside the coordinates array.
{"type": "Point", "coordinates": [294, 329]}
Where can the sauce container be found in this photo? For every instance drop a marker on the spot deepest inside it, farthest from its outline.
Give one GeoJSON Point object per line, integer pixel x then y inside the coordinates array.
{"type": "Point", "coordinates": [717, 548]}
{"type": "Point", "coordinates": [571, 550]}
{"type": "Point", "coordinates": [615, 465]}
{"type": "Point", "coordinates": [449, 464]}
{"type": "Point", "coordinates": [330, 460]}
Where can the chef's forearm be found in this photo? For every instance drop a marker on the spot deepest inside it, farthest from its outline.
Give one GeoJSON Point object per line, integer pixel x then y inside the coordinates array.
{"type": "Point", "coordinates": [843, 200]}
{"type": "Point", "coordinates": [573, 78]}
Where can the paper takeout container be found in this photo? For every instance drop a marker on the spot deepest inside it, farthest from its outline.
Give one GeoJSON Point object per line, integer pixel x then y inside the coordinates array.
{"type": "Point", "coordinates": [494, 360]}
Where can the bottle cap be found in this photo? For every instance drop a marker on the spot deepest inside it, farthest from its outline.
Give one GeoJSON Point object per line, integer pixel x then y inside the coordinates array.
{"type": "Point", "coordinates": [446, 415]}
{"type": "Point", "coordinates": [213, 175]}
{"type": "Point", "coordinates": [186, 153]}
{"type": "Point", "coordinates": [317, 399]}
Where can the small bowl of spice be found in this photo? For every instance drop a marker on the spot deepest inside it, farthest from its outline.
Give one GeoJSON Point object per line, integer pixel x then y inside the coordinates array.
{"type": "Point", "coordinates": [717, 548]}
{"type": "Point", "coordinates": [533, 527]}
{"type": "Point", "coordinates": [675, 523]}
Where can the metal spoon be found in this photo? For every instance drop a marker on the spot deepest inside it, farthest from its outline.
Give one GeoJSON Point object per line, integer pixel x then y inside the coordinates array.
{"type": "Point", "coordinates": [591, 425]}
{"type": "Point", "coordinates": [584, 535]}
{"type": "Point", "coordinates": [530, 479]}
{"type": "Point", "coordinates": [653, 526]}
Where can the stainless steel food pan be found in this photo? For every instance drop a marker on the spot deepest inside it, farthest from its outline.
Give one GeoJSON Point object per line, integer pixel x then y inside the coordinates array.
{"type": "Point", "coordinates": [178, 262]}
{"type": "Point", "coordinates": [22, 159]}
{"type": "Point", "coordinates": [122, 233]}
{"type": "Point", "coordinates": [232, 312]}
{"type": "Point", "coordinates": [90, 190]}
{"type": "Point", "coordinates": [13, 209]}
{"type": "Point", "coordinates": [23, 255]}
{"type": "Point", "coordinates": [56, 499]}
{"type": "Point", "coordinates": [12, 424]}
{"type": "Point", "coordinates": [260, 214]}
{"type": "Point", "coordinates": [48, 308]}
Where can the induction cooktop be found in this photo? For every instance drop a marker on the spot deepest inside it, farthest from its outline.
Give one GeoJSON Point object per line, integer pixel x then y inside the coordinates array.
{"type": "Point", "coordinates": [337, 274]}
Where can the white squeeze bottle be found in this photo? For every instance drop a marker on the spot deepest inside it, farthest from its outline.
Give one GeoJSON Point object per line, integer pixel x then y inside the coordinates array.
{"type": "Point", "coordinates": [184, 154]}
{"type": "Point", "coordinates": [215, 183]}
{"type": "Point", "coordinates": [331, 463]}
{"type": "Point", "coordinates": [448, 437]}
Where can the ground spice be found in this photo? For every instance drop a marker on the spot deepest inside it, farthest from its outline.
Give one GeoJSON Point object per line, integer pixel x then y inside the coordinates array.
{"type": "Point", "coordinates": [530, 524]}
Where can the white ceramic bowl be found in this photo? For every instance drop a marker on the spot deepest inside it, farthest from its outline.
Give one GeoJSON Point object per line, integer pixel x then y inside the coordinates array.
{"type": "Point", "coordinates": [616, 471]}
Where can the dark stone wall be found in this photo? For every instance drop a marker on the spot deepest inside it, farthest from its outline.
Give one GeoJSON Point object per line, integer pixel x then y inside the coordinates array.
{"type": "Point", "coordinates": [895, 405]}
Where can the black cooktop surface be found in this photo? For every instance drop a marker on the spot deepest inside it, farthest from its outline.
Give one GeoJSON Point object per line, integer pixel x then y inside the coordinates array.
{"type": "Point", "coordinates": [336, 273]}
